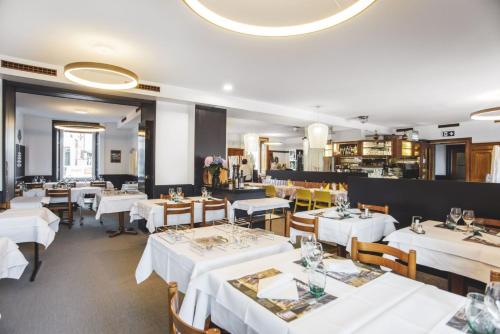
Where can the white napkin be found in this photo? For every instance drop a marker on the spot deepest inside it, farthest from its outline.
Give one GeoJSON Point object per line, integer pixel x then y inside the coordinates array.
{"type": "Point", "coordinates": [281, 286]}
{"type": "Point", "coordinates": [341, 266]}
{"type": "Point", "coordinates": [331, 214]}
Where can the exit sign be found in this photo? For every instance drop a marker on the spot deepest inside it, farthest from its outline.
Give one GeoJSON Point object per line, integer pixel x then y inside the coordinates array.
{"type": "Point", "coordinates": [448, 133]}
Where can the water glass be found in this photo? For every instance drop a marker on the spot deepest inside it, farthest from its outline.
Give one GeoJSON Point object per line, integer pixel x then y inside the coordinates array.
{"type": "Point", "coordinates": [179, 191]}
{"type": "Point", "coordinates": [456, 214]}
{"type": "Point", "coordinates": [171, 192]}
{"type": "Point", "coordinates": [478, 318]}
{"type": "Point", "coordinates": [305, 246]}
{"type": "Point", "coordinates": [204, 192]}
{"type": "Point", "coordinates": [492, 301]}
{"type": "Point", "coordinates": [314, 254]}
{"type": "Point", "coordinates": [468, 217]}
{"type": "Point", "coordinates": [317, 282]}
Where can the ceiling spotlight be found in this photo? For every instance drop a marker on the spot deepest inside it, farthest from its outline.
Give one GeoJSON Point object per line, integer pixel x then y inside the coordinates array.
{"type": "Point", "coordinates": [491, 114]}
{"type": "Point", "coordinates": [227, 87]}
{"type": "Point", "coordinates": [99, 75]}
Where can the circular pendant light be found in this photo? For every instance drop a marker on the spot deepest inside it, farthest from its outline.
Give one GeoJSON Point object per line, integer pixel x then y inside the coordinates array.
{"type": "Point", "coordinates": [491, 114]}
{"type": "Point", "coordinates": [79, 126]}
{"type": "Point", "coordinates": [278, 31]}
{"type": "Point", "coordinates": [99, 75]}
{"type": "Point", "coordinates": [317, 133]}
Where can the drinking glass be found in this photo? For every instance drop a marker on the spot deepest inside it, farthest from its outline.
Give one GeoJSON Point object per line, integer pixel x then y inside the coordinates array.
{"type": "Point", "coordinates": [204, 192]}
{"type": "Point", "coordinates": [492, 301]}
{"type": "Point", "coordinates": [179, 191]}
{"type": "Point", "coordinates": [468, 217]}
{"type": "Point", "coordinates": [456, 214]}
{"type": "Point", "coordinates": [305, 242]}
{"type": "Point", "coordinates": [478, 318]}
{"type": "Point", "coordinates": [317, 282]}
{"type": "Point", "coordinates": [314, 255]}
{"type": "Point", "coordinates": [171, 193]}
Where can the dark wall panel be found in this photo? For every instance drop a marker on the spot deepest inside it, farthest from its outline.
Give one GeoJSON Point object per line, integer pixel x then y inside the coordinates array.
{"type": "Point", "coordinates": [209, 138]}
{"type": "Point", "coordinates": [429, 199]}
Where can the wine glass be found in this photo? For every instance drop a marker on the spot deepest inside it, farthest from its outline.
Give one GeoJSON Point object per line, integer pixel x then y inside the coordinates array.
{"type": "Point", "coordinates": [179, 191]}
{"type": "Point", "coordinates": [456, 214]}
{"type": "Point", "coordinates": [468, 217]}
{"type": "Point", "coordinates": [478, 318]}
{"type": "Point", "coordinates": [314, 255]}
{"type": "Point", "coordinates": [492, 301]}
{"type": "Point", "coordinates": [204, 192]}
{"type": "Point", "coordinates": [171, 193]}
{"type": "Point", "coordinates": [305, 242]}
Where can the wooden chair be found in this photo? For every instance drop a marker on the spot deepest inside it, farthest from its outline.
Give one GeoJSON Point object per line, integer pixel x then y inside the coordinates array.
{"type": "Point", "coordinates": [60, 202]}
{"type": "Point", "coordinates": [308, 225]}
{"type": "Point", "coordinates": [270, 190]}
{"type": "Point", "coordinates": [31, 185]}
{"type": "Point", "coordinates": [495, 223]}
{"type": "Point", "coordinates": [303, 198]}
{"type": "Point", "coordinates": [406, 266]}
{"type": "Point", "coordinates": [100, 184]}
{"type": "Point", "coordinates": [167, 196]}
{"type": "Point", "coordinates": [88, 199]}
{"type": "Point", "coordinates": [495, 276]}
{"type": "Point", "coordinates": [375, 208]}
{"type": "Point", "coordinates": [175, 324]}
{"type": "Point", "coordinates": [177, 209]}
{"type": "Point", "coordinates": [322, 199]}
{"type": "Point", "coordinates": [215, 205]}
{"type": "Point", "coordinates": [71, 184]}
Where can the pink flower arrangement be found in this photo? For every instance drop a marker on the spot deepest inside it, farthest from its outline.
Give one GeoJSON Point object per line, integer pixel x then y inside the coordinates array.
{"type": "Point", "coordinates": [209, 160]}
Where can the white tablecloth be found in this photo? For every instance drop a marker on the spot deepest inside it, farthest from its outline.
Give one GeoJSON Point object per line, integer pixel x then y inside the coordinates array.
{"type": "Point", "coordinates": [12, 261]}
{"type": "Point", "coordinates": [29, 225]}
{"type": "Point", "coordinates": [37, 192]}
{"type": "Point", "coordinates": [178, 262]}
{"type": "Point", "coordinates": [76, 194]}
{"type": "Point", "coordinates": [79, 184]}
{"type": "Point", "coordinates": [152, 211]}
{"type": "Point", "coordinates": [115, 203]}
{"type": "Point", "coordinates": [261, 204]}
{"type": "Point", "coordinates": [28, 202]}
{"type": "Point", "coordinates": [342, 231]}
{"type": "Point", "coordinates": [446, 250]}
{"type": "Point", "coordinates": [388, 304]}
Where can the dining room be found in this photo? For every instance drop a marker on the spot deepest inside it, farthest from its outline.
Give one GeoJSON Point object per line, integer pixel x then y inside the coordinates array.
{"type": "Point", "coordinates": [196, 166]}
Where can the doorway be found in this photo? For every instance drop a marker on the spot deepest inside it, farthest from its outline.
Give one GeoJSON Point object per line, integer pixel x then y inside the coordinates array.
{"type": "Point", "coordinates": [449, 160]}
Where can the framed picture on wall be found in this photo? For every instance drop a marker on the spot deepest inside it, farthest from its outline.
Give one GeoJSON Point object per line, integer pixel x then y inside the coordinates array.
{"type": "Point", "coordinates": [116, 156]}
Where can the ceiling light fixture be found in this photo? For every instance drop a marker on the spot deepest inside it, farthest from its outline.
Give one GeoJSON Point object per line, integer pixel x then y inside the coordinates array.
{"type": "Point", "coordinates": [99, 75]}
{"type": "Point", "coordinates": [227, 87]}
{"type": "Point", "coordinates": [278, 31]}
{"type": "Point", "coordinates": [491, 114]}
{"type": "Point", "coordinates": [79, 127]}
{"type": "Point", "coordinates": [273, 143]}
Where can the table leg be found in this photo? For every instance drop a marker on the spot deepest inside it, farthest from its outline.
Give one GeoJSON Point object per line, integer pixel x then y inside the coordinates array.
{"type": "Point", "coordinates": [38, 263]}
{"type": "Point", "coordinates": [456, 284]}
{"type": "Point", "coordinates": [341, 251]}
{"type": "Point", "coordinates": [121, 227]}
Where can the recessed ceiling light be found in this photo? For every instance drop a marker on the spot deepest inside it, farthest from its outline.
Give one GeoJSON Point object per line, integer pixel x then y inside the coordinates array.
{"type": "Point", "coordinates": [227, 87]}
{"type": "Point", "coordinates": [99, 75]}
{"type": "Point", "coordinates": [278, 31]}
{"type": "Point", "coordinates": [491, 114]}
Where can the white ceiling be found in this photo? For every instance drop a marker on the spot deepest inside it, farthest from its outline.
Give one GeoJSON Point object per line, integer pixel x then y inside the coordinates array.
{"type": "Point", "coordinates": [403, 63]}
{"type": "Point", "coordinates": [67, 109]}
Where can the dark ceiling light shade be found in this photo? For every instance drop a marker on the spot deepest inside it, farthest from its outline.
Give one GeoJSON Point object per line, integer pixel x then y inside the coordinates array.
{"type": "Point", "coordinates": [99, 75]}
{"type": "Point", "coordinates": [79, 126]}
{"type": "Point", "coordinates": [490, 114]}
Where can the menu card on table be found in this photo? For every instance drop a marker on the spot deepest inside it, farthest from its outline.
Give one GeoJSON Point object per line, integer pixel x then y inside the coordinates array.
{"type": "Point", "coordinates": [287, 310]}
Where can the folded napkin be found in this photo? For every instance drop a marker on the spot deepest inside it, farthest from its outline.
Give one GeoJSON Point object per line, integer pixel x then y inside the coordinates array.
{"type": "Point", "coordinates": [341, 266]}
{"type": "Point", "coordinates": [331, 214]}
{"type": "Point", "coordinates": [281, 286]}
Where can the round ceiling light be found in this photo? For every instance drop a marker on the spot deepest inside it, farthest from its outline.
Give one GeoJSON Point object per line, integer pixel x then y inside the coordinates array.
{"type": "Point", "coordinates": [312, 25]}
{"type": "Point", "coordinates": [491, 114]}
{"type": "Point", "coordinates": [79, 127]}
{"type": "Point", "coordinates": [99, 75]}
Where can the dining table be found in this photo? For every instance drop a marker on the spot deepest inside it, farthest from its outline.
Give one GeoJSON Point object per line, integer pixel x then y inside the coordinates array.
{"type": "Point", "coordinates": [152, 211]}
{"type": "Point", "coordinates": [110, 201]}
{"type": "Point", "coordinates": [332, 228]}
{"type": "Point", "coordinates": [12, 261]}
{"type": "Point", "coordinates": [459, 253]}
{"type": "Point", "coordinates": [28, 202]}
{"type": "Point", "coordinates": [179, 261]}
{"type": "Point", "coordinates": [79, 184]}
{"type": "Point", "coordinates": [38, 226]}
{"type": "Point", "coordinates": [369, 302]}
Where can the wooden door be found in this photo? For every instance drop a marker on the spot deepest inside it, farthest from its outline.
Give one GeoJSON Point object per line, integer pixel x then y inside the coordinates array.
{"type": "Point", "coordinates": [481, 155]}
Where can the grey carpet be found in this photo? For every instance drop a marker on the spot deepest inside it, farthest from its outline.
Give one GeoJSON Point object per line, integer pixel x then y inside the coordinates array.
{"type": "Point", "coordinates": [86, 285]}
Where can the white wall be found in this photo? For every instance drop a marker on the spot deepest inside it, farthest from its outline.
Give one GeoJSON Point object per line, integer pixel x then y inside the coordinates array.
{"type": "Point", "coordinates": [1, 133]}
{"type": "Point", "coordinates": [114, 138]}
{"type": "Point", "coordinates": [440, 160]}
{"type": "Point", "coordinates": [174, 143]}
{"type": "Point", "coordinates": [480, 131]}
{"type": "Point", "coordinates": [37, 137]}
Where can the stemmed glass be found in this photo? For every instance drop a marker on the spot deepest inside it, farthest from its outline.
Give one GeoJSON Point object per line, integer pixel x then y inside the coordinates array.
{"type": "Point", "coordinates": [456, 214]}
{"type": "Point", "coordinates": [179, 192]}
{"type": "Point", "coordinates": [305, 242]}
{"type": "Point", "coordinates": [468, 217]}
{"type": "Point", "coordinates": [204, 192]}
{"type": "Point", "coordinates": [171, 193]}
{"type": "Point", "coordinates": [492, 301]}
{"type": "Point", "coordinates": [314, 254]}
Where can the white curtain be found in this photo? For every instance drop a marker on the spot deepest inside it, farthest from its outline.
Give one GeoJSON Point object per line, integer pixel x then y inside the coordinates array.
{"type": "Point", "coordinates": [495, 165]}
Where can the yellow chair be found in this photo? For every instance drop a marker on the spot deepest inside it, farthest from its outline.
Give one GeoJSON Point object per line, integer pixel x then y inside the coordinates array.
{"type": "Point", "coordinates": [290, 183]}
{"type": "Point", "coordinates": [270, 190]}
{"type": "Point", "coordinates": [322, 199]}
{"type": "Point", "coordinates": [303, 198]}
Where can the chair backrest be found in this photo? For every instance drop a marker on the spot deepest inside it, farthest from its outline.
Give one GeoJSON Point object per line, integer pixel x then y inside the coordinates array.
{"type": "Point", "coordinates": [62, 192]}
{"type": "Point", "coordinates": [178, 209]}
{"type": "Point", "coordinates": [164, 196]}
{"type": "Point", "coordinates": [495, 276]}
{"type": "Point", "coordinates": [71, 184]}
{"type": "Point", "coordinates": [374, 208]}
{"type": "Point", "coordinates": [175, 323]}
{"type": "Point", "coordinates": [214, 205]}
{"type": "Point", "coordinates": [308, 225]}
{"type": "Point", "coordinates": [303, 194]}
{"type": "Point", "coordinates": [362, 252]}
{"type": "Point", "coordinates": [488, 222]}
{"type": "Point", "coordinates": [33, 185]}
{"type": "Point", "coordinates": [270, 190]}
{"type": "Point", "coordinates": [323, 197]}
{"type": "Point", "coordinates": [100, 184]}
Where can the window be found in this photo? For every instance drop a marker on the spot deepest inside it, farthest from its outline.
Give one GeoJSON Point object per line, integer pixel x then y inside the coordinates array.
{"type": "Point", "coordinates": [78, 159]}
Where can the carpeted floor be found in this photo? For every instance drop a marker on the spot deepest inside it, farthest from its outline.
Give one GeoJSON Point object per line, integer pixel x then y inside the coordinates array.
{"type": "Point", "coordinates": [86, 285]}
